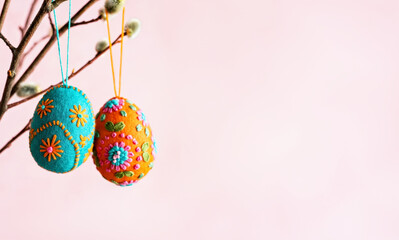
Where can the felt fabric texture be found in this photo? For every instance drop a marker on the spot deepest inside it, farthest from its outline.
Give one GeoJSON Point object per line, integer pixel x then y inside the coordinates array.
{"type": "Point", "coordinates": [124, 147]}
{"type": "Point", "coordinates": [62, 129]}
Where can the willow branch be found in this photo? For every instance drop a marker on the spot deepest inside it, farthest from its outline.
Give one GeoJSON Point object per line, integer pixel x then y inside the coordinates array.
{"type": "Point", "coordinates": [18, 54]}
{"type": "Point", "coordinates": [47, 47]}
{"type": "Point", "coordinates": [4, 13]}
{"type": "Point", "coordinates": [35, 44]}
{"type": "Point", "coordinates": [51, 23]}
{"type": "Point", "coordinates": [55, 4]}
{"type": "Point", "coordinates": [23, 130]}
{"type": "Point", "coordinates": [87, 22]}
{"type": "Point", "coordinates": [73, 74]}
{"type": "Point", "coordinates": [27, 21]}
{"type": "Point", "coordinates": [9, 45]}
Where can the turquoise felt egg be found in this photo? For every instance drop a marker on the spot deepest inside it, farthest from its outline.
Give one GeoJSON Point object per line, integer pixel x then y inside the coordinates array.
{"type": "Point", "coordinates": [62, 129]}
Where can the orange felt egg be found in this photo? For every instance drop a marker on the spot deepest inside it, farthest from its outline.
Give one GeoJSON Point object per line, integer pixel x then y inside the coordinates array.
{"type": "Point", "coordinates": [124, 147]}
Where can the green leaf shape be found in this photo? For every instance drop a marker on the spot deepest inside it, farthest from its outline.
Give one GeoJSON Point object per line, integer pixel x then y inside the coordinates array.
{"type": "Point", "coordinates": [139, 127]}
{"type": "Point", "coordinates": [115, 182]}
{"type": "Point", "coordinates": [145, 146]}
{"type": "Point", "coordinates": [129, 173]}
{"type": "Point", "coordinates": [97, 115]}
{"type": "Point", "coordinates": [141, 175]}
{"type": "Point", "coordinates": [151, 165]}
{"type": "Point", "coordinates": [96, 134]}
{"type": "Point", "coordinates": [119, 174]}
{"type": "Point", "coordinates": [146, 156]}
{"type": "Point", "coordinates": [128, 101]}
{"type": "Point", "coordinates": [123, 113]}
{"type": "Point", "coordinates": [96, 161]}
{"type": "Point", "coordinates": [102, 118]}
{"type": "Point", "coordinates": [133, 107]}
{"type": "Point", "coordinates": [119, 126]}
{"type": "Point", "coordinates": [109, 126]}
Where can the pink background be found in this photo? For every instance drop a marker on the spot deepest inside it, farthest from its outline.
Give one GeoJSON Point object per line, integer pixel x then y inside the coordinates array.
{"type": "Point", "coordinates": [274, 119]}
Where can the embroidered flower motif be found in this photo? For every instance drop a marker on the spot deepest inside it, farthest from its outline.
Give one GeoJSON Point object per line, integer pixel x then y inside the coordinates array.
{"type": "Point", "coordinates": [51, 150]}
{"type": "Point", "coordinates": [118, 156]}
{"type": "Point", "coordinates": [113, 105]}
{"type": "Point", "coordinates": [79, 115]}
{"type": "Point", "coordinates": [142, 117]}
{"type": "Point", "coordinates": [83, 140]}
{"type": "Point", "coordinates": [44, 107]}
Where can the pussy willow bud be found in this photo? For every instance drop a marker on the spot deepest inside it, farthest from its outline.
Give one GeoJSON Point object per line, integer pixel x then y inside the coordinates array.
{"type": "Point", "coordinates": [28, 89]}
{"type": "Point", "coordinates": [133, 27]}
{"type": "Point", "coordinates": [114, 6]}
{"type": "Point", "coordinates": [101, 12]}
{"type": "Point", "coordinates": [101, 45]}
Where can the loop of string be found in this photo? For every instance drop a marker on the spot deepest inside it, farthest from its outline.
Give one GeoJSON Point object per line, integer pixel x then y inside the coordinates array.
{"type": "Point", "coordinates": [117, 94]}
{"type": "Point", "coordinates": [64, 80]}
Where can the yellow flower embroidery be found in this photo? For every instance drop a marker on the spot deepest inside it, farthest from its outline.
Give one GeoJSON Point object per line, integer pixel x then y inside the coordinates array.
{"type": "Point", "coordinates": [88, 153]}
{"type": "Point", "coordinates": [83, 140]}
{"type": "Point", "coordinates": [44, 107]}
{"type": "Point", "coordinates": [51, 150]}
{"type": "Point", "coordinates": [79, 116]}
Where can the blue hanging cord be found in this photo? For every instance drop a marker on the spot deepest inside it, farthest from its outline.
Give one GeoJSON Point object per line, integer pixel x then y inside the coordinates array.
{"type": "Point", "coordinates": [64, 80]}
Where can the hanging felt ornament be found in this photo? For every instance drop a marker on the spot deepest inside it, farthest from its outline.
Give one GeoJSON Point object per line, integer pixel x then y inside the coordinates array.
{"type": "Point", "coordinates": [124, 148]}
{"type": "Point", "coordinates": [62, 128]}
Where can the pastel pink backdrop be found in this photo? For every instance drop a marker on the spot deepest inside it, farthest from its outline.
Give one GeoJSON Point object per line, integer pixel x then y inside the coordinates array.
{"type": "Point", "coordinates": [274, 119]}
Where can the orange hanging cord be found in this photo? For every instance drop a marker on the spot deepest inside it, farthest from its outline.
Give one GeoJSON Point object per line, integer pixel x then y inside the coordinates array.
{"type": "Point", "coordinates": [117, 94]}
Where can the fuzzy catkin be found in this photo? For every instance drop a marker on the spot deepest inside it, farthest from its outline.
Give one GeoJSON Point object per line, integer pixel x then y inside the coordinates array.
{"type": "Point", "coordinates": [114, 6]}
{"type": "Point", "coordinates": [133, 27]}
{"type": "Point", "coordinates": [28, 89]}
{"type": "Point", "coordinates": [101, 45]}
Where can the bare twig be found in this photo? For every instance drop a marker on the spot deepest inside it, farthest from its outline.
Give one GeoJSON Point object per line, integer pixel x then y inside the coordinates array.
{"type": "Point", "coordinates": [9, 45]}
{"type": "Point", "coordinates": [55, 4]}
{"type": "Point", "coordinates": [23, 130]}
{"type": "Point", "coordinates": [14, 104]}
{"type": "Point", "coordinates": [47, 47]}
{"type": "Point", "coordinates": [4, 13]}
{"type": "Point", "coordinates": [18, 54]}
{"type": "Point", "coordinates": [27, 21]}
{"type": "Point", "coordinates": [87, 22]}
{"type": "Point", "coordinates": [51, 23]}
{"type": "Point", "coordinates": [24, 28]}
{"type": "Point", "coordinates": [34, 45]}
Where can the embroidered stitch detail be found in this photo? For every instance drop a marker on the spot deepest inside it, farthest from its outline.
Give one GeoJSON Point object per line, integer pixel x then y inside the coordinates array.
{"type": "Point", "coordinates": [44, 107]}
{"type": "Point", "coordinates": [51, 150]}
{"type": "Point", "coordinates": [79, 115]}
